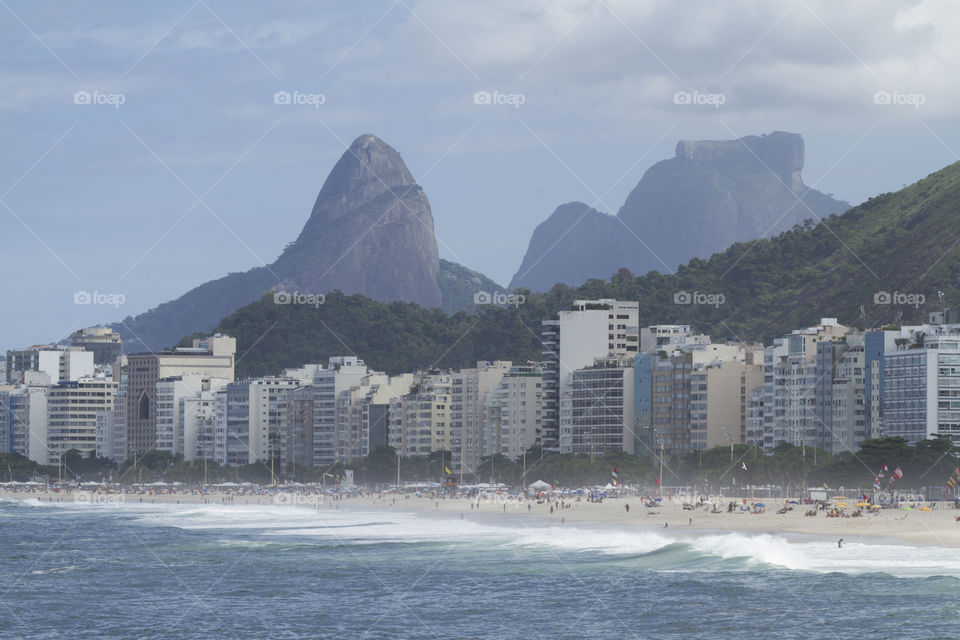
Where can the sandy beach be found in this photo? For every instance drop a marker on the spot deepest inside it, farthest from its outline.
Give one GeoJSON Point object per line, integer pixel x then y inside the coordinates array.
{"type": "Point", "coordinates": [939, 526]}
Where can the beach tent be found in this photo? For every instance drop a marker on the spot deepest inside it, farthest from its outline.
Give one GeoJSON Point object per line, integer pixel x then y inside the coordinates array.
{"type": "Point", "coordinates": [539, 485]}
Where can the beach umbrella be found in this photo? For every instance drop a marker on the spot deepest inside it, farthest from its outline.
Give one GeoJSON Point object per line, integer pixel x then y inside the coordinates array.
{"type": "Point", "coordinates": [906, 508]}
{"type": "Point", "coordinates": [925, 509]}
{"type": "Point", "coordinates": [863, 504]}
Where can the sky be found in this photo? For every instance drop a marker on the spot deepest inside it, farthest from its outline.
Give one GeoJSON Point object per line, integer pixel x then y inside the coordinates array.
{"type": "Point", "coordinates": [150, 147]}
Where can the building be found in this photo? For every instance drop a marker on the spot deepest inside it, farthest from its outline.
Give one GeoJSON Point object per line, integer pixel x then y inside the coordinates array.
{"type": "Point", "coordinates": [342, 374]}
{"type": "Point", "coordinates": [208, 358]}
{"type": "Point", "coordinates": [23, 416]}
{"type": "Point", "coordinates": [602, 406]}
{"type": "Point", "coordinates": [719, 401]}
{"type": "Point", "coordinates": [184, 403]}
{"type": "Point", "coordinates": [363, 413]}
{"type": "Point", "coordinates": [921, 379]}
{"type": "Point", "coordinates": [60, 363]}
{"type": "Point", "coordinates": [72, 408]}
{"type": "Point", "coordinates": [573, 339]}
{"type": "Point", "coordinates": [513, 414]}
{"type": "Point", "coordinates": [253, 423]}
{"type": "Point", "coordinates": [667, 337]}
{"type": "Point", "coordinates": [103, 342]}
{"type": "Point", "coordinates": [472, 389]}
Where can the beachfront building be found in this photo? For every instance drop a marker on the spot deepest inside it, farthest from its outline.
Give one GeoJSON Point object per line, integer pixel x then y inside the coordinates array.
{"type": "Point", "coordinates": [72, 408]}
{"type": "Point", "coordinates": [252, 420]}
{"type": "Point", "coordinates": [719, 401]}
{"type": "Point", "coordinates": [342, 374]}
{"type": "Point", "coordinates": [363, 413]}
{"type": "Point", "coordinates": [573, 339]}
{"type": "Point", "coordinates": [184, 406]}
{"type": "Point", "coordinates": [420, 421]}
{"type": "Point", "coordinates": [103, 342]}
{"type": "Point", "coordinates": [513, 413]}
{"type": "Point", "coordinates": [472, 390]}
{"type": "Point", "coordinates": [59, 362]}
{"type": "Point", "coordinates": [211, 357]}
{"type": "Point", "coordinates": [602, 417]}
{"type": "Point", "coordinates": [921, 394]}
{"type": "Point", "coordinates": [798, 386]}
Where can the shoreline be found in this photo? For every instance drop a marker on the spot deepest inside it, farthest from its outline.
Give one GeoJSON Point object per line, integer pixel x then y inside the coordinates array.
{"type": "Point", "coordinates": [937, 527]}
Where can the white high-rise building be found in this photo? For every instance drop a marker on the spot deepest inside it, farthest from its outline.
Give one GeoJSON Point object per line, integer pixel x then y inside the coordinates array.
{"type": "Point", "coordinates": [62, 364]}
{"type": "Point", "coordinates": [72, 415]}
{"type": "Point", "coordinates": [471, 390]}
{"type": "Point", "coordinates": [514, 412]}
{"type": "Point", "coordinates": [342, 374]}
{"type": "Point", "coordinates": [603, 407]}
{"type": "Point", "coordinates": [921, 381]}
{"type": "Point", "coordinates": [572, 340]}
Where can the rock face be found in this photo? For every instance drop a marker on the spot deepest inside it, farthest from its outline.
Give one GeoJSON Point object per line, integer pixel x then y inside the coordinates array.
{"type": "Point", "coordinates": [710, 195]}
{"type": "Point", "coordinates": [370, 232]}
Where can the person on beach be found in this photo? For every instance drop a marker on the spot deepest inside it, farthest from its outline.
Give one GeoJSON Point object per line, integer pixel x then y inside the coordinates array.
{"type": "Point", "coordinates": [840, 543]}
{"type": "Point", "coordinates": [628, 507]}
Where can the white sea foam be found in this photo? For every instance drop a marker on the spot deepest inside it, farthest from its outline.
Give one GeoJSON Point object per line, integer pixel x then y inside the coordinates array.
{"type": "Point", "coordinates": [645, 547]}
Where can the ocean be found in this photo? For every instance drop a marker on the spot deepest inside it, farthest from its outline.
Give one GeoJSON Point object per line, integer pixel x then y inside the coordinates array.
{"type": "Point", "coordinates": [275, 571]}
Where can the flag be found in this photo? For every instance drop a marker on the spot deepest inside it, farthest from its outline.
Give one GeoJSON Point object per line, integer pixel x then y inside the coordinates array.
{"type": "Point", "coordinates": [656, 481]}
{"type": "Point", "coordinates": [956, 472]}
{"type": "Point", "coordinates": [743, 465]}
{"type": "Point", "coordinates": [734, 481]}
{"type": "Point", "coordinates": [885, 468]}
{"type": "Point", "coordinates": [876, 486]}
{"type": "Point", "coordinates": [615, 475]}
{"type": "Point", "coordinates": [447, 469]}
{"type": "Point", "coordinates": [897, 473]}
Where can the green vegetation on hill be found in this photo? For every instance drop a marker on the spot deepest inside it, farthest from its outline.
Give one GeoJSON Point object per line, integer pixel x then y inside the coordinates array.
{"type": "Point", "coordinates": [458, 285]}
{"type": "Point", "coordinates": [900, 242]}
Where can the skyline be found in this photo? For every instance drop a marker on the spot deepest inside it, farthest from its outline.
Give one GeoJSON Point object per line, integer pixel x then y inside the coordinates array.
{"type": "Point", "coordinates": [197, 129]}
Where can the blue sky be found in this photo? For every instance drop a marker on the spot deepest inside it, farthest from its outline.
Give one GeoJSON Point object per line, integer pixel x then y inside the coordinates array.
{"type": "Point", "coordinates": [182, 168]}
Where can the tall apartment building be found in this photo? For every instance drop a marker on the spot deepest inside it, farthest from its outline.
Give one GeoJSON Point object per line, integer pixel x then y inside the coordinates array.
{"type": "Point", "coordinates": [590, 329]}
{"type": "Point", "coordinates": [60, 363]}
{"type": "Point", "coordinates": [181, 410]}
{"type": "Point", "coordinates": [103, 342]}
{"type": "Point", "coordinates": [421, 421]}
{"type": "Point", "coordinates": [603, 408]}
{"type": "Point", "coordinates": [472, 388]}
{"type": "Point", "coordinates": [922, 386]}
{"type": "Point", "coordinates": [253, 424]}
{"type": "Point", "coordinates": [72, 408]}
{"type": "Point", "coordinates": [208, 358]}
{"type": "Point", "coordinates": [719, 402]}
{"type": "Point", "coordinates": [342, 374]}
{"type": "Point", "coordinates": [512, 414]}
{"type": "Point", "coordinates": [362, 413]}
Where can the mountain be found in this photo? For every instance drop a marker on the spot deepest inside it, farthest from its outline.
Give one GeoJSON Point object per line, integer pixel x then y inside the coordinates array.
{"type": "Point", "coordinates": [710, 195]}
{"type": "Point", "coordinates": [906, 242]}
{"type": "Point", "coordinates": [370, 232]}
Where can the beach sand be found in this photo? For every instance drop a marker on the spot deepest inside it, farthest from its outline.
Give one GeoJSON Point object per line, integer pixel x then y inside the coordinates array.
{"type": "Point", "coordinates": [936, 527]}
